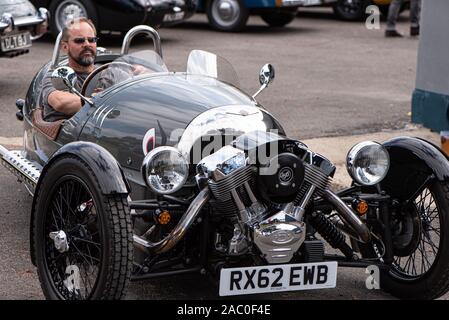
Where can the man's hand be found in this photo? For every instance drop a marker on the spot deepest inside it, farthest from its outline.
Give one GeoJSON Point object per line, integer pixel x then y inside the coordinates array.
{"type": "Point", "coordinates": [139, 69]}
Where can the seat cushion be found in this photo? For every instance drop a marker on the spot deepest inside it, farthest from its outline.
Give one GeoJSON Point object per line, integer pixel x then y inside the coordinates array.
{"type": "Point", "coordinates": [50, 129]}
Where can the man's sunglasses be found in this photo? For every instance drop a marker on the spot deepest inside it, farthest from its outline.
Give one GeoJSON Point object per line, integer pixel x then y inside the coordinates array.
{"type": "Point", "coordinates": [82, 40]}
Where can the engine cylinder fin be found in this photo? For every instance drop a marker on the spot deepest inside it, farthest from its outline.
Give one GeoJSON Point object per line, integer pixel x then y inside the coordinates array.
{"type": "Point", "coordinates": [302, 192]}
{"type": "Point", "coordinates": [222, 189]}
{"type": "Point", "coordinates": [316, 177]}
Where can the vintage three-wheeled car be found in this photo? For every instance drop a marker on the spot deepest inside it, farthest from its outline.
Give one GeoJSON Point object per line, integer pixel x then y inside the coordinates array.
{"type": "Point", "coordinates": [167, 173]}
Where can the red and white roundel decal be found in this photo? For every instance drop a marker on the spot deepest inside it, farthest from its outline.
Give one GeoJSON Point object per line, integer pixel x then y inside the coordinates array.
{"type": "Point", "coordinates": [149, 141]}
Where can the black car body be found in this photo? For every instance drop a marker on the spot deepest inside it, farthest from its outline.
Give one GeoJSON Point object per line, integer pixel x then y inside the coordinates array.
{"type": "Point", "coordinates": [164, 173]}
{"type": "Point", "coordinates": [117, 16]}
{"type": "Point", "coordinates": [20, 24]}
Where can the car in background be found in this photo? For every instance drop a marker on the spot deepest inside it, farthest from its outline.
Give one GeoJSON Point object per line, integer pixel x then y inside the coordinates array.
{"type": "Point", "coordinates": [20, 24]}
{"type": "Point", "coordinates": [355, 10]}
{"type": "Point", "coordinates": [118, 16]}
{"type": "Point", "coordinates": [232, 15]}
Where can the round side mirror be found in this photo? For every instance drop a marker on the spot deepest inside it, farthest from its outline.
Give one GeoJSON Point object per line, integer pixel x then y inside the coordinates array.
{"type": "Point", "coordinates": [63, 78]}
{"type": "Point", "coordinates": [266, 74]}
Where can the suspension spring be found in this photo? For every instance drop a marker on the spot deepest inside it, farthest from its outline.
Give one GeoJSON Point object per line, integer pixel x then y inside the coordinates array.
{"type": "Point", "coordinates": [330, 233]}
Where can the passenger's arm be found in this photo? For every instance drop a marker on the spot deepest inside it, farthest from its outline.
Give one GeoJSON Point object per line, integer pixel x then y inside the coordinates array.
{"type": "Point", "coordinates": [65, 102]}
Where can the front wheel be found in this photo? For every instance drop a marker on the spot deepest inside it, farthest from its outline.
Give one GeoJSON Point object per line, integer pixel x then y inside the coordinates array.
{"type": "Point", "coordinates": [420, 232]}
{"type": "Point", "coordinates": [82, 238]}
{"type": "Point", "coordinates": [278, 19]}
{"type": "Point", "coordinates": [227, 15]}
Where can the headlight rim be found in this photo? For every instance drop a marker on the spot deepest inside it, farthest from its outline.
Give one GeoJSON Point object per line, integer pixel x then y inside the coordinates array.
{"type": "Point", "coordinates": [351, 156]}
{"type": "Point", "coordinates": [145, 167]}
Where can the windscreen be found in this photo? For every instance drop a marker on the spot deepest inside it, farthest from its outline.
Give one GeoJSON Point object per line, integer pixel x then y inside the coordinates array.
{"type": "Point", "coordinates": [210, 65]}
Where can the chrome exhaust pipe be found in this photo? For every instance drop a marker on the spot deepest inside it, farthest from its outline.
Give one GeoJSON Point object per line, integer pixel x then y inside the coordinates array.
{"type": "Point", "coordinates": [348, 215]}
{"type": "Point", "coordinates": [179, 231]}
{"type": "Point", "coordinates": [3, 151]}
{"type": "Point", "coordinates": [27, 171]}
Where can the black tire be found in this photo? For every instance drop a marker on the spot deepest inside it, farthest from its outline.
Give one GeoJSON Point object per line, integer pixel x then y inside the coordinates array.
{"type": "Point", "coordinates": [234, 22]}
{"type": "Point", "coordinates": [278, 19]}
{"type": "Point", "coordinates": [98, 261]}
{"type": "Point", "coordinates": [430, 278]}
{"type": "Point", "coordinates": [57, 6]}
{"type": "Point", "coordinates": [354, 11]}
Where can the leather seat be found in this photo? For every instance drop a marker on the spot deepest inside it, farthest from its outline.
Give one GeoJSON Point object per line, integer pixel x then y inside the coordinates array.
{"type": "Point", "coordinates": [50, 129]}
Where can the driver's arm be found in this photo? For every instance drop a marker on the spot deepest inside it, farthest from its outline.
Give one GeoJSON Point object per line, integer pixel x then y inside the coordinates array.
{"type": "Point", "coordinates": [65, 102]}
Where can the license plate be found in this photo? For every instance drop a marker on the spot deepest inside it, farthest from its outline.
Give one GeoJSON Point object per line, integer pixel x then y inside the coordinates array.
{"type": "Point", "coordinates": [15, 41]}
{"type": "Point", "coordinates": [312, 2]}
{"type": "Point", "coordinates": [173, 16]}
{"type": "Point", "coordinates": [276, 278]}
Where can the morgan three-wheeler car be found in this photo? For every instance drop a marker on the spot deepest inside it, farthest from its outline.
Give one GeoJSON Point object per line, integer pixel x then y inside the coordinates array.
{"type": "Point", "coordinates": [167, 173]}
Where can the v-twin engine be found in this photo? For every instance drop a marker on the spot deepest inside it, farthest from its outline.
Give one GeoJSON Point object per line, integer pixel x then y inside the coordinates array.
{"type": "Point", "coordinates": [272, 220]}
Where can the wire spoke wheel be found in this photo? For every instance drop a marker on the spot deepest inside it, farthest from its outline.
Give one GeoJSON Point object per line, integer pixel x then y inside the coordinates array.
{"type": "Point", "coordinates": [418, 238]}
{"type": "Point", "coordinates": [74, 267]}
{"type": "Point", "coordinates": [82, 237]}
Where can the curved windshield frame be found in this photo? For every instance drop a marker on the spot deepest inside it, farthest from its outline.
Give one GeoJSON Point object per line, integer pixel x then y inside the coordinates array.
{"type": "Point", "coordinates": [124, 68]}
{"type": "Point", "coordinates": [148, 62]}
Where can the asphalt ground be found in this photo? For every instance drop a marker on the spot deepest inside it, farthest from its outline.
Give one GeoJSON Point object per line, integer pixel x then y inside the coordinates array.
{"type": "Point", "coordinates": [332, 79]}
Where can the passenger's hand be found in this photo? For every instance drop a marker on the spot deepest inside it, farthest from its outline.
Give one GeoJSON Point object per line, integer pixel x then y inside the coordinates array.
{"type": "Point", "coordinates": [96, 90]}
{"type": "Point", "coordinates": [138, 69]}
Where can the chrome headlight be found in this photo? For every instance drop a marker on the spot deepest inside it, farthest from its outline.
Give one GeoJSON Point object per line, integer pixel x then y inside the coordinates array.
{"type": "Point", "coordinates": [368, 163]}
{"type": "Point", "coordinates": [165, 170]}
{"type": "Point", "coordinates": [7, 22]}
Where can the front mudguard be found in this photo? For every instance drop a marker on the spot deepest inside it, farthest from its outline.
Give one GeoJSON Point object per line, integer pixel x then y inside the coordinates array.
{"type": "Point", "coordinates": [107, 170]}
{"type": "Point", "coordinates": [412, 161]}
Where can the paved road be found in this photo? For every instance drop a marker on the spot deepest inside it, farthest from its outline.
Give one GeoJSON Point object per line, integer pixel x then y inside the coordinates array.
{"type": "Point", "coordinates": [332, 78]}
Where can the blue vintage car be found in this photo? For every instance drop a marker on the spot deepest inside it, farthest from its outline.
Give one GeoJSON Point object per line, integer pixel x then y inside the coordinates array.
{"type": "Point", "coordinates": [232, 15]}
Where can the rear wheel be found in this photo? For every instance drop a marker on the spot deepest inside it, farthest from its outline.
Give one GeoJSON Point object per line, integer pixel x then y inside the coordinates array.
{"type": "Point", "coordinates": [82, 238]}
{"type": "Point", "coordinates": [63, 11]}
{"type": "Point", "coordinates": [421, 246]}
{"type": "Point", "coordinates": [351, 10]}
{"type": "Point", "coordinates": [278, 19]}
{"type": "Point", "coordinates": [227, 15]}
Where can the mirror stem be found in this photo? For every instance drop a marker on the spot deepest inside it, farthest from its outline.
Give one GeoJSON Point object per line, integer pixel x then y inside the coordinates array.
{"type": "Point", "coordinates": [260, 90]}
{"type": "Point", "coordinates": [73, 90]}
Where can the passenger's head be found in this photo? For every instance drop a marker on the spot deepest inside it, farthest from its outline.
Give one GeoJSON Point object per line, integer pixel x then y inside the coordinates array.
{"type": "Point", "coordinates": [79, 41]}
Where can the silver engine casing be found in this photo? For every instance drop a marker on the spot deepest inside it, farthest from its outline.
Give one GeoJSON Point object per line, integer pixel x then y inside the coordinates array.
{"type": "Point", "coordinates": [279, 237]}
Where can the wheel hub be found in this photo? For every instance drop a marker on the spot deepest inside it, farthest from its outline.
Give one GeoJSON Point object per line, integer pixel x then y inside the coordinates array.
{"type": "Point", "coordinates": [68, 11]}
{"type": "Point", "coordinates": [60, 240]}
{"type": "Point", "coordinates": [227, 10]}
{"type": "Point", "coordinates": [407, 234]}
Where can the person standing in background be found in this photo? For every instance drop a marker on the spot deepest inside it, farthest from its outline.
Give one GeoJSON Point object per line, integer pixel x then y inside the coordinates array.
{"type": "Point", "coordinates": [393, 13]}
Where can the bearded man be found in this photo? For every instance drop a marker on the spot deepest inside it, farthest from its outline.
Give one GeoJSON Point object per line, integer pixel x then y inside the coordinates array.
{"type": "Point", "coordinates": [79, 42]}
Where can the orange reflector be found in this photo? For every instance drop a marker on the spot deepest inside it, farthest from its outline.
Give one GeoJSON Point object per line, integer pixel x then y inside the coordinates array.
{"type": "Point", "coordinates": [164, 217]}
{"type": "Point", "coordinates": [362, 207]}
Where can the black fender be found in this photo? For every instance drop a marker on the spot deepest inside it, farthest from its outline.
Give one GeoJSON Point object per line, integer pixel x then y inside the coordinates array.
{"type": "Point", "coordinates": [107, 170]}
{"type": "Point", "coordinates": [412, 161]}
